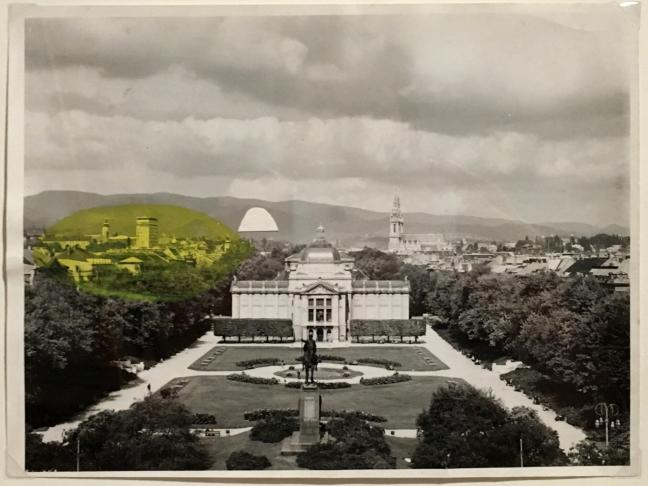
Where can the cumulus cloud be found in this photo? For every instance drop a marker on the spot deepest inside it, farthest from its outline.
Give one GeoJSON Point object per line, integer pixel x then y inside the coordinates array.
{"type": "Point", "coordinates": [452, 108]}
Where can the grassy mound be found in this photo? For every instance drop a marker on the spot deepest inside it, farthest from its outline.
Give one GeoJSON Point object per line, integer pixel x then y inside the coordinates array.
{"type": "Point", "coordinates": [172, 220]}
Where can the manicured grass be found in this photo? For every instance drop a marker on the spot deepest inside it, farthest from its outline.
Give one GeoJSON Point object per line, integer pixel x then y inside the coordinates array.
{"type": "Point", "coordinates": [399, 403]}
{"type": "Point", "coordinates": [220, 448]}
{"type": "Point", "coordinates": [412, 358]}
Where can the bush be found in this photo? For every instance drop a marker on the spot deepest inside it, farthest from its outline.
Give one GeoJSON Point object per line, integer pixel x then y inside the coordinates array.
{"type": "Point", "coordinates": [357, 445]}
{"type": "Point", "coordinates": [252, 379]}
{"type": "Point", "coordinates": [274, 428]}
{"type": "Point", "coordinates": [244, 461]}
{"type": "Point", "coordinates": [251, 363]}
{"type": "Point", "coordinates": [385, 380]}
{"type": "Point", "coordinates": [262, 413]}
{"type": "Point", "coordinates": [389, 327]}
{"type": "Point", "coordinates": [228, 327]}
{"type": "Point", "coordinates": [169, 393]}
{"type": "Point", "coordinates": [379, 361]}
{"type": "Point", "coordinates": [324, 385]}
{"type": "Point", "coordinates": [204, 419]}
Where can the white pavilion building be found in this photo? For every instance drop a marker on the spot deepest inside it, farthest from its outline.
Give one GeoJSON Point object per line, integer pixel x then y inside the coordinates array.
{"type": "Point", "coordinates": [319, 293]}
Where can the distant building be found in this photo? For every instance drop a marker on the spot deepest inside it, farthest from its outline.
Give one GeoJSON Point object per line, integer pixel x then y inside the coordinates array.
{"type": "Point", "coordinates": [146, 232]}
{"type": "Point", "coordinates": [407, 244]}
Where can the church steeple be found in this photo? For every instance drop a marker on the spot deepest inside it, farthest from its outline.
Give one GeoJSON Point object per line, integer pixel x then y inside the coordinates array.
{"type": "Point", "coordinates": [396, 226]}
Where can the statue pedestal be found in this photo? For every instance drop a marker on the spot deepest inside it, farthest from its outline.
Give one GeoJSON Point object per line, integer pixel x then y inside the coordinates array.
{"type": "Point", "coordinates": [309, 422]}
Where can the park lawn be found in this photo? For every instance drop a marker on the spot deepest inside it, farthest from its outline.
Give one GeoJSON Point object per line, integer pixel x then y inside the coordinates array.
{"type": "Point", "coordinates": [410, 359]}
{"type": "Point", "coordinates": [220, 448]}
{"type": "Point", "coordinates": [399, 403]}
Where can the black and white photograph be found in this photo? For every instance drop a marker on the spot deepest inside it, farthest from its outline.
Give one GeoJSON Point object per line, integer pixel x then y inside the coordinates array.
{"type": "Point", "coordinates": [325, 241]}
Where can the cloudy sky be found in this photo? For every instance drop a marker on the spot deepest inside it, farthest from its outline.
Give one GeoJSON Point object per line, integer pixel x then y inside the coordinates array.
{"type": "Point", "coordinates": [504, 113]}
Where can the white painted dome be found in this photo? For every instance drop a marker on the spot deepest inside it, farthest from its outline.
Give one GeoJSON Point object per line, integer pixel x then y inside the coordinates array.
{"type": "Point", "coordinates": [257, 219]}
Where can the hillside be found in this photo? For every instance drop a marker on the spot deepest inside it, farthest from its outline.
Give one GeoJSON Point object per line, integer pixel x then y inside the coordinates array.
{"type": "Point", "coordinates": [172, 220]}
{"type": "Point", "coordinates": [297, 219]}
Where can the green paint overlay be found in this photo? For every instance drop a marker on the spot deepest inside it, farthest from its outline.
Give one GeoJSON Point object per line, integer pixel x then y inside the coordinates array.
{"type": "Point", "coordinates": [141, 252]}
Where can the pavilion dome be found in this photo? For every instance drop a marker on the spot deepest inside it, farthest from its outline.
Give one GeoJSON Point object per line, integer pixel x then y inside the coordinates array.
{"type": "Point", "coordinates": [320, 250]}
{"type": "Point", "coordinates": [257, 219]}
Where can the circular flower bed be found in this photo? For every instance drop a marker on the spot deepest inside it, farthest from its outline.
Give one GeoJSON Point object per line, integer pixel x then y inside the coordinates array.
{"type": "Point", "coordinates": [322, 374]}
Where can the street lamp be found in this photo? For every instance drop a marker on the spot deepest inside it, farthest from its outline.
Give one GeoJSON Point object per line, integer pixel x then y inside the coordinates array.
{"type": "Point", "coordinates": [605, 411]}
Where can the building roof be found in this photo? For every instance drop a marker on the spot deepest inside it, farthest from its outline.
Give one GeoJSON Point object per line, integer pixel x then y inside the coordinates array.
{"type": "Point", "coordinates": [319, 251]}
{"type": "Point", "coordinates": [131, 260]}
{"type": "Point", "coordinates": [585, 265]}
{"type": "Point", "coordinates": [260, 284]}
{"type": "Point", "coordinates": [381, 285]}
{"type": "Point", "coordinates": [76, 254]}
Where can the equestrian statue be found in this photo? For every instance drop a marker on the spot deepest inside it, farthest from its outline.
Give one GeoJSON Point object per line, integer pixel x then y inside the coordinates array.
{"type": "Point", "coordinates": [310, 359]}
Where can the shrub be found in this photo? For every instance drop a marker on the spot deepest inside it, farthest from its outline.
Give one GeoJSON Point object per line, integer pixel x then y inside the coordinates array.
{"type": "Point", "coordinates": [379, 361]}
{"type": "Point", "coordinates": [229, 327]}
{"type": "Point", "coordinates": [262, 413]}
{"type": "Point", "coordinates": [251, 363]}
{"type": "Point", "coordinates": [389, 327]}
{"type": "Point", "coordinates": [384, 380]}
{"type": "Point", "coordinates": [204, 419]}
{"type": "Point", "coordinates": [357, 445]}
{"type": "Point", "coordinates": [324, 357]}
{"type": "Point", "coordinates": [252, 379]}
{"type": "Point", "coordinates": [274, 428]}
{"type": "Point", "coordinates": [324, 385]}
{"type": "Point", "coordinates": [169, 393]}
{"type": "Point", "coordinates": [242, 461]}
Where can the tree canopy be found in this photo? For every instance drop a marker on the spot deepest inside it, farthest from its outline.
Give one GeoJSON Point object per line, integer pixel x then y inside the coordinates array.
{"type": "Point", "coordinates": [464, 427]}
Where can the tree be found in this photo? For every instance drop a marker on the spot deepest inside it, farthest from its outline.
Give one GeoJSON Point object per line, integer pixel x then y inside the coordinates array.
{"type": "Point", "coordinates": [244, 461]}
{"type": "Point", "coordinates": [274, 428]}
{"type": "Point", "coordinates": [375, 265]}
{"type": "Point", "coordinates": [356, 445]}
{"type": "Point", "coordinates": [464, 427]}
{"type": "Point", "coordinates": [152, 435]}
{"type": "Point", "coordinates": [261, 267]}
{"type": "Point", "coordinates": [589, 453]}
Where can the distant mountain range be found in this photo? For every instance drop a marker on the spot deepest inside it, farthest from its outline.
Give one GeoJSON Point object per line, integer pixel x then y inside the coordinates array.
{"type": "Point", "coordinates": [297, 220]}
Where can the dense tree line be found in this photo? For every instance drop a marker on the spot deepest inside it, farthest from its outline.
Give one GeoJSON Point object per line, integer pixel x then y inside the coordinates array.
{"type": "Point", "coordinates": [153, 435]}
{"type": "Point", "coordinates": [72, 338]}
{"type": "Point", "coordinates": [464, 427]}
{"type": "Point", "coordinates": [576, 330]}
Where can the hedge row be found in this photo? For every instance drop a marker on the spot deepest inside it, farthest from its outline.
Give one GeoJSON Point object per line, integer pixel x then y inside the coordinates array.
{"type": "Point", "coordinates": [252, 379]}
{"type": "Point", "coordinates": [264, 413]}
{"type": "Point", "coordinates": [251, 363]}
{"type": "Point", "coordinates": [324, 357]}
{"type": "Point", "coordinates": [385, 380]}
{"type": "Point", "coordinates": [324, 385]}
{"type": "Point", "coordinates": [252, 327]}
{"type": "Point", "coordinates": [387, 327]}
{"type": "Point", "coordinates": [378, 361]}
{"type": "Point", "coordinates": [204, 419]}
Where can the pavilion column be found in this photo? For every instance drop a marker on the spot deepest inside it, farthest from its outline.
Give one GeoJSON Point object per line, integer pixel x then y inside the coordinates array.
{"type": "Point", "coordinates": [236, 302]}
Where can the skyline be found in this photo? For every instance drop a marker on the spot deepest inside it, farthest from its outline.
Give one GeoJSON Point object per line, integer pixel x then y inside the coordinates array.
{"type": "Point", "coordinates": [501, 121]}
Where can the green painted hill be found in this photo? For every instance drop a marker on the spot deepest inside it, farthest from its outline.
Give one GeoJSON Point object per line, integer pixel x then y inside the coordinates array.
{"type": "Point", "coordinates": [172, 220]}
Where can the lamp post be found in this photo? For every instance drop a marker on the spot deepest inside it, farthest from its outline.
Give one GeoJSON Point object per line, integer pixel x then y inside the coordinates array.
{"type": "Point", "coordinates": [606, 411]}
{"type": "Point", "coordinates": [78, 452]}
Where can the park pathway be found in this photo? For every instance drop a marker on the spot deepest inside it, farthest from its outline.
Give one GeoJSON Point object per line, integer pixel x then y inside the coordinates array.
{"type": "Point", "coordinates": [459, 367]}
{"type": "Point", "coordinates": [156, 376]}
{"type": "Point", "coordinates": [462, 367]}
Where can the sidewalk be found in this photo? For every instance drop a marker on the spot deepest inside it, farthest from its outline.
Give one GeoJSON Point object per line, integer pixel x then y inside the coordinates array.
{"type": "Point", "coordinates": [157, 376]}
